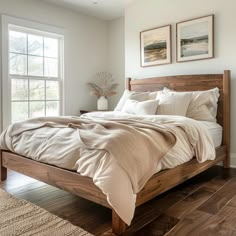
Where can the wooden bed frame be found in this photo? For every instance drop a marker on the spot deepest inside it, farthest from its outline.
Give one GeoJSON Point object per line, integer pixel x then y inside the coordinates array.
{"type": "Point", "coordinates": [84, 187]}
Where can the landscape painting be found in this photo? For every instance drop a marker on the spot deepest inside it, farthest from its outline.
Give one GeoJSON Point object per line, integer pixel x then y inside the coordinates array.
{"type": "Point", "coordinates": [156, 46]}
{"type": "Point", "coordinates": [195, 39]}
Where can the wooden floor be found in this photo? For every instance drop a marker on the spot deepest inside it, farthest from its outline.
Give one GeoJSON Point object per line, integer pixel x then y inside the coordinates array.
{"type": "Point", "coordinates": [204, 205]}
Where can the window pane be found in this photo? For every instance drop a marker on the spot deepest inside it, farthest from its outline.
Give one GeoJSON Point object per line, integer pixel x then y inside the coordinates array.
{"type": "Point", "coordinates": [19, 111]}
{"type": "Point", "coordinates": [52, 90]}
{"type": "Point", "coordinates": [50, 67]}
{"type": "Point", "coordinates": [18, 64]}
{"type": "Point", "coordinates": [37, 109]}
{"type": "Point", "coordinates": [17, 42]}
{"type": "Point", "coordinates": [51, 47]}
{"type": "Point", "coordinates": [35, 66]}
{"type": "Point", "coordinates": [37, 90]}
{"type": "Point", "coordinates": [35, 45]}
{"type": "Point", "coordinates": [19, 89]}
{"type": "Point", "coordinates": [52, 108]}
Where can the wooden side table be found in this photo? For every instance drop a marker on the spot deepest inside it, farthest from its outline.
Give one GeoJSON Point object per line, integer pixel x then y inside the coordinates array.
{"type": "Point", "coordinates": [87, 111]}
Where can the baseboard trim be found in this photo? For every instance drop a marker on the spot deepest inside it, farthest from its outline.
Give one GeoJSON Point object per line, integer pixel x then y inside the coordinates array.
{"type": "Point", "coordinates": [233, 160]}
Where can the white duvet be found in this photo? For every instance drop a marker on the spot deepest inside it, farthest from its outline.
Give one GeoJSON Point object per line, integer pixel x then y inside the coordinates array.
{"type": "Point", "coordinates": [192, 139]}
{"type": "Point", "coordinates": [182, 152]}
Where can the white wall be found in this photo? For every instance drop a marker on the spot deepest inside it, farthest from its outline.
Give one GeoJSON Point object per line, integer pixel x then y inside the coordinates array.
{"type": "Point", "coordinates": [86, 48]}
{"type": "Point", "coordinates": [147, 14]}
{"type": "Point", "coordinates": [116, 56]}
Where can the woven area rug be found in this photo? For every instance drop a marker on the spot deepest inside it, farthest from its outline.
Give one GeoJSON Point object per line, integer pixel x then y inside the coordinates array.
{"type": "Point", "coordinates": [19, 217]}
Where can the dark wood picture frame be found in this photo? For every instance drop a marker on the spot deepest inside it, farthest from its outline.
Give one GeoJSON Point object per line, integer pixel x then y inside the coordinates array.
{"type": "Point", "coordinates": [198, 41]}
{"type": "Point", "coordinates": [162, 48]}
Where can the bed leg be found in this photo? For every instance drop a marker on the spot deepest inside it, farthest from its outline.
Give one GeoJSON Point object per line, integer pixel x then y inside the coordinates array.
{"type": "Point", "coordinates": [226, 161]}
{"type": "Point", "coordinates": [3, 170]}
{"type": "Point", "coordinates": [118, 225]}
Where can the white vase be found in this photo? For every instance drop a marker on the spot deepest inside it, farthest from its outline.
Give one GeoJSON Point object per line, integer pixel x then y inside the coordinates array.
{"type": "Point", "coordinates": [102, 103]}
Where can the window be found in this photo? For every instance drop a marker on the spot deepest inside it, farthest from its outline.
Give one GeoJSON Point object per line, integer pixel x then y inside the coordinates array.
{"type": "Point", "coordinates": [32, 78]}
{"type": "Point", "coordinates": [34, 73]}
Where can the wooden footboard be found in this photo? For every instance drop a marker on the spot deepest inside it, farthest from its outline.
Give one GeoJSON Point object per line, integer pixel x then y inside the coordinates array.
{"type": "Point", "coordinates": [84, 187]}
{"type": "Point", "coordinates": [69, 181]}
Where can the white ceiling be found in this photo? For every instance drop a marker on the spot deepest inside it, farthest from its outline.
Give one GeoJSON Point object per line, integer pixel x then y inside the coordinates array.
{"type": "Point", "coordinates": [103, 9]}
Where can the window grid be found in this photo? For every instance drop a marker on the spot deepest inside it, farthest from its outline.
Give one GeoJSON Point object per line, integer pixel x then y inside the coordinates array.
{"type": "Point", "coordinates": [43, 56]}
{"type": "Point", "coordinates": [44, 78]}
{"type": "Point", "coordinates": [24, 54]}
{"type": "Point", "coordinates": [27, 69]}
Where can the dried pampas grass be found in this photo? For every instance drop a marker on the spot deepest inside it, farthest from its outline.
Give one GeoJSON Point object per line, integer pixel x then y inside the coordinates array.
{"type": "Point", "coordinates": [105, 85]}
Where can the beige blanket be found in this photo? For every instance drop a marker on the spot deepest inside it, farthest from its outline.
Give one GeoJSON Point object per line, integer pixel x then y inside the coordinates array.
{"type": "Point", "coordinates": [96, 148]}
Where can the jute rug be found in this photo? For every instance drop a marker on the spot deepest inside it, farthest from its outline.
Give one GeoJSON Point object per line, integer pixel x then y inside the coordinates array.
{"type": "Point", "coordinates": [19, 217]}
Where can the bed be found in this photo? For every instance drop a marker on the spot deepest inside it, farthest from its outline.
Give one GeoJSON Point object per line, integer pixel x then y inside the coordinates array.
{"type": "Point", "coordinates": [84, 187]}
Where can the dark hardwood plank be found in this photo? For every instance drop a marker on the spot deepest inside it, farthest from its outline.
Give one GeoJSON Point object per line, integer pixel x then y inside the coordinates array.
{"type": "Point", "coordinates": [228, 213]}
{"type": "Point", "coordinates": [223, 223]}
{"type": "Point", "coordinates": [180, 209]}
{"type": "Point", "coordinates": [12, 183]}
{"type": "Point", "coordinates": [159, 227]}
{"type": "Point", "coordinates": [232, 202]}
{"type": "Point", "coordinates": [190, 225]}
{"type": "Point", "coordinates": [195, 199]}
{"type": "Point", "coordinates": [214, 204]}
{"type": "Point", "coordinates": [201, 223]}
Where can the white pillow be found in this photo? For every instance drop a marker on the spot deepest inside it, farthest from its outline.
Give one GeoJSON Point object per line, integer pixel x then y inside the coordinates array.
{"type": "Point", "coordinates": [148, 107]}
{"type": "Point", "coordinates": [138, 96]}
{"type": "Point", "coordinates": [130, 95]}
{"type": "Point", "coordinates": [173, 103]}
{"type": "Point", "coordinates": [153, 95]}
{"type": "Point", "coordinates": [203, 105]}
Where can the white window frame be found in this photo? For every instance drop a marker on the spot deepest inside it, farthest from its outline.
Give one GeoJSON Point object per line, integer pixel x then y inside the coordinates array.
{"type": "Point", "coordinates": [9, 22]}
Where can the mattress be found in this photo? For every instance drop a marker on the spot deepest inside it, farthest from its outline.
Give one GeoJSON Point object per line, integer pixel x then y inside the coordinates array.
{"type": "Point", "coordinates": [215, 131]}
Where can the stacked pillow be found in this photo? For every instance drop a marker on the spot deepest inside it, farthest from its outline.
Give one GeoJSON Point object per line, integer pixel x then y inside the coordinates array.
{"type": "Point", "coordinates": [172, 103]}
{"type": "Point", "coordinates": [203, 104]}
{"type": "Point", "coordinates": [148, 107]}
{"type": "Point", "coordinates": [198, 105]}
{"type": "Point", "coordinates": [137, 96]}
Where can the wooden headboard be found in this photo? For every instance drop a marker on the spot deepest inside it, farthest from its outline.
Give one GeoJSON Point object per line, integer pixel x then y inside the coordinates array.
{"type": "Point", "coordinates": [193, 83]}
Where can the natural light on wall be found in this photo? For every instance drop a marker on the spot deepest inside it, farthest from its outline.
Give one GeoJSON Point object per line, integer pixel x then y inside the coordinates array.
{"type": "Point", "coordinates": [34, 70]}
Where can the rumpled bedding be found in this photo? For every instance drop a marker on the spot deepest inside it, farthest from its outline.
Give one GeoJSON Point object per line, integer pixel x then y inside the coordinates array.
{"type": "Point", "coordinates": [119, 153]}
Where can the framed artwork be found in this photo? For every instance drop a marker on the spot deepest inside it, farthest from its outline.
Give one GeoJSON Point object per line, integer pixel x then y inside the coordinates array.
{"type": "Point", "coordinates": [195, 39]}
{"type": "Point", "coordinates": [155, 46]}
